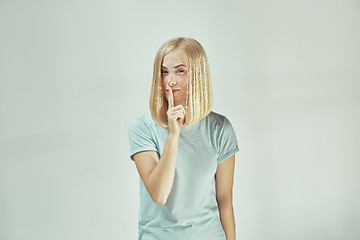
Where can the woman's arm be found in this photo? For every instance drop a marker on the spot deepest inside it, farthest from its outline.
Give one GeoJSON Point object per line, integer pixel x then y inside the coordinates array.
{"type": "Point", "coordinates": [158, 174]}
{"type": "Point", "coordinates": [224, 184]}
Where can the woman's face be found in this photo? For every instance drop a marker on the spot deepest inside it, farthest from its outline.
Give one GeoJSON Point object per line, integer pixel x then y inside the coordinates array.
{"type": "Point", "coordinates": [174, 74]}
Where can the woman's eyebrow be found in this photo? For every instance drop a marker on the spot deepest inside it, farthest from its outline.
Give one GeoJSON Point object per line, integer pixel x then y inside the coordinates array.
{"type": "Point", "coordinates": [180, 65]}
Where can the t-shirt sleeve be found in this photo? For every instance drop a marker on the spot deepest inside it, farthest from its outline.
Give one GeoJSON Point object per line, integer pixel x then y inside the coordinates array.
{"type": "Point", "coordinates": [227, 145]}
{"type": "Point", "coordinates": [140, 137]}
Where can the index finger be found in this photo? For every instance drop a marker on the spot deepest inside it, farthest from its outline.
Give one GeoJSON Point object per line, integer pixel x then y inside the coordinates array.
{"type": "Point", "coordinates": [170, 96]}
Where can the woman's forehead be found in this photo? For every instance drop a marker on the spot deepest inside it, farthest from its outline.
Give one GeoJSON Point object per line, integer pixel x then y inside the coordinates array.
{"type": "Point", "coordinates": [174, 58]}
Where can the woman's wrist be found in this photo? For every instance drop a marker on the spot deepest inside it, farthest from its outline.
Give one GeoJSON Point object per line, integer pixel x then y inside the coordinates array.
{"type": "Point", "coordinates": [173, 135]}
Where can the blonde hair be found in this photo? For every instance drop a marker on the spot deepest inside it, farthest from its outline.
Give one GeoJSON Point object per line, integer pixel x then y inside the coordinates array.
{"type": "Point", "coordinates": [199, 95]}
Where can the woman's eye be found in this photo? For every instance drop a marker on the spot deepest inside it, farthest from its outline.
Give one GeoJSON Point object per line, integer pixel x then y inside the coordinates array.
{"type": "Point", "coordinates": [164, 71]}
{"type": "Point", "coordinates": [181, 71]}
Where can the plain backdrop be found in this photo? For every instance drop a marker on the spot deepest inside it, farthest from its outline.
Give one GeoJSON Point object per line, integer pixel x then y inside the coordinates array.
{"type": "Point", "coordinates": [73, 73]}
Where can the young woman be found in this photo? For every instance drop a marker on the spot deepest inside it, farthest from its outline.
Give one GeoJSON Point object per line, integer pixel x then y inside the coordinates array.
{"type": "Point", "coordinates": [183, 151]}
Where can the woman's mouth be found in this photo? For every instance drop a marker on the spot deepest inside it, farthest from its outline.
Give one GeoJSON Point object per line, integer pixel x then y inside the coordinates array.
{"type": "Point", "coordinates": [175, 91]}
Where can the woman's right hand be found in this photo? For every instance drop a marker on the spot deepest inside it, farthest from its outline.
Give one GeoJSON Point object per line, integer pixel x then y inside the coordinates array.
{"type": "Point", "coordinates": [176, 115]}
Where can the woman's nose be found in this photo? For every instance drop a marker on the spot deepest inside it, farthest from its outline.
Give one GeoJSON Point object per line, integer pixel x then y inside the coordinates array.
{"type": "Point", "coordinates": [171, 81]}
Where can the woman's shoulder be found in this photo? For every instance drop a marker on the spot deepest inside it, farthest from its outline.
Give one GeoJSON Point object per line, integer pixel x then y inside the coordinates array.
{"type": "Point", "coordinates": [216, 118]}
{"type": "Point", "coordinates": [218, 122]}
{"type": "Point", "coordinates": [142, 119]}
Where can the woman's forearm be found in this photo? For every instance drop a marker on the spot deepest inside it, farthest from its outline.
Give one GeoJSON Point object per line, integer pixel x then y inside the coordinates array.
{"type": "Point", "coordinates": [227, 219]}
{"type": "Point", "coordinates": [161, 177]}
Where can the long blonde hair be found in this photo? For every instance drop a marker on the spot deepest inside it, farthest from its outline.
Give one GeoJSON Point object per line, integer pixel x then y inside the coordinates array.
{"type": "Point", "coordinates": [199, 95]}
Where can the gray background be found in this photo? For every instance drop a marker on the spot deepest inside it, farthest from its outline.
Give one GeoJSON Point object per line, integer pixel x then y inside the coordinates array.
{"type": "Point", "coordinates": [74, 73]}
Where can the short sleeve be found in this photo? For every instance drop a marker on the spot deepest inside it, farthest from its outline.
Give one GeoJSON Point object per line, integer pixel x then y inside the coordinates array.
{"type": "Point", "coordinates": [140, 137]}
{"type": "Point", "coordinates": [227, 142]}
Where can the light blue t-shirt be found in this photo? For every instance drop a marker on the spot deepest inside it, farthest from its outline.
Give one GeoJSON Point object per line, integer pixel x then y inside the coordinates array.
{"type": "Point", "coordinates": [191, 210]}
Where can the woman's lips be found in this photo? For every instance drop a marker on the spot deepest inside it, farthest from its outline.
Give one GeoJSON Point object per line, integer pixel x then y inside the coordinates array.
{"type": "Point", "coordinates": [173, 90]}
